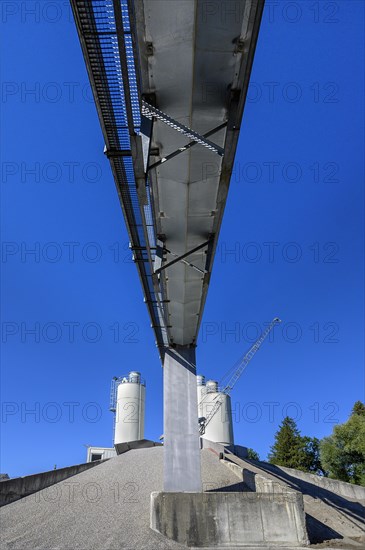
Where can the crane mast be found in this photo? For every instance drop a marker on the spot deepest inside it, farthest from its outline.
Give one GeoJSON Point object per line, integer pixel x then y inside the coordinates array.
{"type": "Point", "coordinates": [237, 373]}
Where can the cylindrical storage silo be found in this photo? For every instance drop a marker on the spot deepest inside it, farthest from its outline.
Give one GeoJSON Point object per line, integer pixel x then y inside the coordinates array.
{"type": "Point", "coordinates": [219, 428]}
{"type": "Point", "coordinates": [129, 418]}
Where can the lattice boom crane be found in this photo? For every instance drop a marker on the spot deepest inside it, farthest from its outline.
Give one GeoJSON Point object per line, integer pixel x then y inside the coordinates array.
{"type": "Point", "coordinates": [242, 364]}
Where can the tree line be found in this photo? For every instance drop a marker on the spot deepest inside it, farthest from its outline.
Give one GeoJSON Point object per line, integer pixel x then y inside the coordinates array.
{"type": "Point", "coordinates": [339, 456]}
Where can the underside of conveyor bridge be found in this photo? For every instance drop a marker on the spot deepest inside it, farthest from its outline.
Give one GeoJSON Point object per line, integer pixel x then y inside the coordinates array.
{"type": "Point", "coordinates": [170, 81]}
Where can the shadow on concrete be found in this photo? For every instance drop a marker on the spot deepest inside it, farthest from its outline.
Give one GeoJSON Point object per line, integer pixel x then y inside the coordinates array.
{"type": "Point", "coordinates": [318, 531]}
{"type": "Point", "coordinates": [235, 488]}
{"type": "Point", "coordinates": [352, 509]}
{"type": "Point", "coordinates": [177, 354]}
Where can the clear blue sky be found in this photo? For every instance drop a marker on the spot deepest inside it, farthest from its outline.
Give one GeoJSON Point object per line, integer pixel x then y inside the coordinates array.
{"type": "Point", "coordinates": [297, 187]}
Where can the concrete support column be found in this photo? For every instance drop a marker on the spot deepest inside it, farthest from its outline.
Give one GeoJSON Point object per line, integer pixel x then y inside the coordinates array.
{"type": "Point", "coordinates": [181, 433]}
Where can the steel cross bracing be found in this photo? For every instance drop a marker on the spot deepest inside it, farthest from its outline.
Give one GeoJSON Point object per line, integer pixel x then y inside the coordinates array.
{"type": "Point", "coordinates": [182, 258]}
{"type": "Point", "coordinates": [185, 147]}
{"type": "Point", "coordinates": [152, 112]}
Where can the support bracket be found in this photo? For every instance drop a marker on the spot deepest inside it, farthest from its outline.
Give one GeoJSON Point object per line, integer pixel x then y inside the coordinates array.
{"type": "Point", "coordinates": [115, 153]}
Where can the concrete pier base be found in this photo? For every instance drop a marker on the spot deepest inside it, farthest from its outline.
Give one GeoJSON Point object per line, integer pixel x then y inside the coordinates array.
{"type": "Point", "coordinates": [230, 519]}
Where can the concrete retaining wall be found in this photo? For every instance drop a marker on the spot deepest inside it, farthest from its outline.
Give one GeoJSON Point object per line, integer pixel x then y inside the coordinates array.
{"type": "Point", "coordinates": [230, 519]}
{"type": "Point", "coordinates": [19, 487]}
{"type": "Point", "coordinates": [235, 469]}
{"type": "Point", "coordinates": [261, 484]}
{"type": "Point", "coordinates": [138, 444]}
{"type": "Point", "coordinates": [238, 450]}
{"type": "Point", "coordinates": [256, 482]}
{"type": "Point", "coordinates": [303, 481]}
{"type": "Point", "coordinates": [347, 490]}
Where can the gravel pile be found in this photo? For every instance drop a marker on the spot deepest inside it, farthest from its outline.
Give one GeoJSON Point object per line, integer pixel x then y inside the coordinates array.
{"type": "Point", "coordinates": [104, 508]}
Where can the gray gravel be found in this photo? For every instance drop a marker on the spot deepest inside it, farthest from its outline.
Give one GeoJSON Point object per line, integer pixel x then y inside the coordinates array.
{"type": "Point", "coordinates": [104, 508]}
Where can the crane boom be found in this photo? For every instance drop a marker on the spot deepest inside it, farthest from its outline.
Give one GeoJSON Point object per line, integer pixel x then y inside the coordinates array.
{"type": "Point", "coordinates": [237, 373]}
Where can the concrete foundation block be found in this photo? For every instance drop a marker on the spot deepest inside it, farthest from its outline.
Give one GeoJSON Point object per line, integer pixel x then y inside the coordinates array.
{"type": "Point", "coordinates": [230, 519]}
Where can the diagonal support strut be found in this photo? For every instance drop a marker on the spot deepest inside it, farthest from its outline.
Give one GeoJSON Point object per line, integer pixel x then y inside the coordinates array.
{"type": "Point", "coordinates": [186, 147]}
{"type": "Point", "coordinates": [180, 258]}
{"type": "Point", "coordinates": [152, 112]}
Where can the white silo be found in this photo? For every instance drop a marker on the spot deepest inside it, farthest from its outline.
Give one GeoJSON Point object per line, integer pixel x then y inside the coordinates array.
{"type": "Point", "coordinates": [130, 408]}
{"type": "Point", "coordinates": [219, 428]}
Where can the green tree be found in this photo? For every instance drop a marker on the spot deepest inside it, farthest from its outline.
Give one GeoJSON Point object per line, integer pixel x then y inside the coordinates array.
{"type": "Point", "coordinates": [358, 408]}
{"type": "Point", "coordinates": [292, 450]}
{"type": "Point", "coordinates": [343, 452]}
{"type": "Point", "coordinates": [312, 460]}
{"type": "Point", "coordinates": [252, 455]}
{"type": "Point", "coordinates": [288, 446]}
